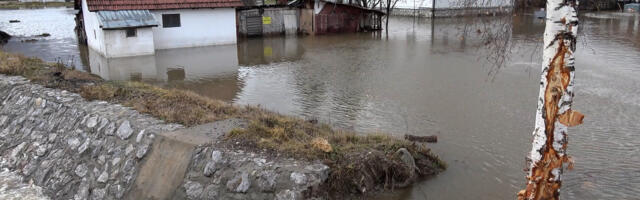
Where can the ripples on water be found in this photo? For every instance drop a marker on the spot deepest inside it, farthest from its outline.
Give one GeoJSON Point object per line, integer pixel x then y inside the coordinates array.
{"type": "Point", "coordinates": [421, 79]}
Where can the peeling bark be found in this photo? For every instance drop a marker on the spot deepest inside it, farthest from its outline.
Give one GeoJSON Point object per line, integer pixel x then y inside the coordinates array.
{"type": "Point", "coordinates": [554, 114]}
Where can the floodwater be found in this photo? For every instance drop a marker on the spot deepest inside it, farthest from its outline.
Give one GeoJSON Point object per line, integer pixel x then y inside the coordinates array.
{"type": "Point", "coordinates": [443, 78]}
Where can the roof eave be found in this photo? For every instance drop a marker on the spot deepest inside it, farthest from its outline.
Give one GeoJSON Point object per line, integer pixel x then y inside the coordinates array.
{"type": "Point", "coordinates": [127, 27]}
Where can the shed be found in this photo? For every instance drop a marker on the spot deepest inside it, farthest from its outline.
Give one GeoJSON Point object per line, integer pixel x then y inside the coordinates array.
{"type": "Point", "coordinates": [122, 28]}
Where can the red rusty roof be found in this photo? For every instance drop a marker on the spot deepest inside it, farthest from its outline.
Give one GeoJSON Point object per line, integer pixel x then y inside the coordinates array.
{"type": "Point", "coordinates": [95, 5]}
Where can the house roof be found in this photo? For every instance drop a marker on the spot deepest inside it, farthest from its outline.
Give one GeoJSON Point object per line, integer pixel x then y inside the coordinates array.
{"type": "Point", "coordinates": [118, 19]}
{"type": "Point", "coordinates": [95, 5]}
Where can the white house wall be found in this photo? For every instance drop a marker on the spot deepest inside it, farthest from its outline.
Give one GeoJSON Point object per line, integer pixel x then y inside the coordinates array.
{"type": "Point", "coordinates": [198, 27]}
{"type": "Point", "coordinates": [119, 45]}
{"type": "Point", "coordinates": [95, 35]}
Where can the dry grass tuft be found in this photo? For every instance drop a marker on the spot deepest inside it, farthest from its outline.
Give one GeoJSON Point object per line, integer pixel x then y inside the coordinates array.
{"type": "Point", "coordinates": [321, 144]}
{"type": "Point", "coordinates": [176, 106]}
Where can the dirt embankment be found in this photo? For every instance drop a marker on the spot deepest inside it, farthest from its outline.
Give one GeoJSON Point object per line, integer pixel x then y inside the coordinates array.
{"type": "Point", "coordinates": [360, 163]}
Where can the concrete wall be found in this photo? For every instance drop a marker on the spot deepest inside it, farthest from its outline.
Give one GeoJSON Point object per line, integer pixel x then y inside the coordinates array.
{"type": "Point", "coordinates": [95, 34]}
{"type": "Point", "coordinates": [198, 27]}
{"type": "Point", "coordinates": [306, 21]}
{"type": "Point", "coordinates": [117, 44]}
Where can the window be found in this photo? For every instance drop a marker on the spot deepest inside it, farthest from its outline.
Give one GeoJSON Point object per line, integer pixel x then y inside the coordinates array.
{"type": "Point", "coordinates": [170, 20]}
{"type": "Point", "coordinates": [131, 32]}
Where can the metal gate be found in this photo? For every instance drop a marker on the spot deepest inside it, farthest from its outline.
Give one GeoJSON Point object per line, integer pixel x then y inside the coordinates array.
{"type": "Point", "coordinates": [290, 24]}
{"type": "Point", "coordinates": [254, 25]}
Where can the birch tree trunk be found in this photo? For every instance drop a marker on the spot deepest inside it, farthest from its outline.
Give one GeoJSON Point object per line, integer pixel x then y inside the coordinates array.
{"type": "Point", "coordinates": [554, 114]}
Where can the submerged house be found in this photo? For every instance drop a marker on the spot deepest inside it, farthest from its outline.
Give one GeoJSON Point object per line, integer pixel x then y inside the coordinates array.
{"type": "Point", "coordinates": [330, 16]}
{"type": "Point", "coordinates": [271, 17]}
{"type": "Point", "coordinates": [122, 28]}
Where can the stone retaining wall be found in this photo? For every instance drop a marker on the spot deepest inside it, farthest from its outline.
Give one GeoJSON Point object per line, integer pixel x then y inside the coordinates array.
{"type": "Point", "coordinates": [78, 149]}
{"type": "Point", "coordinates": [74, 148]}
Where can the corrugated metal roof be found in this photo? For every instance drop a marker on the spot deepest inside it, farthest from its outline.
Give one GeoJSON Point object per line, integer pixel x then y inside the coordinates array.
{"type": "Point", "coordinates": [126, 19]}
{"type": "Point", "coordinates": [95, 5]}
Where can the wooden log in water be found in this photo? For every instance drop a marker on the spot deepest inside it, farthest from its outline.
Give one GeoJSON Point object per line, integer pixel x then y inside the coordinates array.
{"type": "Point", "coordinates": [415, 138]}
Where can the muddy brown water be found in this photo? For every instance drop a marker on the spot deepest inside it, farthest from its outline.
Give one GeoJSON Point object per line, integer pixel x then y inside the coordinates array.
{"type": "Point", "coordinates": [423, 78]}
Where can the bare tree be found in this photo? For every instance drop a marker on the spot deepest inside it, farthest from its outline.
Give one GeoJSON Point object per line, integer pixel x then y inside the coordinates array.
{"type": "Point", "coordinates": [554, 114]}
{"type": "Point", "coordinates": [370, 3]}
{"type": "Point", "coordinates": [387, 6]}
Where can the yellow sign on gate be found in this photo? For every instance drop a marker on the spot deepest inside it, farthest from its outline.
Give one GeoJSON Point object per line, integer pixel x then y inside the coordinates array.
{"type": "Point", "coordinates": [266, 20]}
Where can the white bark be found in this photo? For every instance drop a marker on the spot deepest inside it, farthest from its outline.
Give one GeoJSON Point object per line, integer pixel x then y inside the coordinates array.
{"type": "Point", "coordinates": [554, 113]}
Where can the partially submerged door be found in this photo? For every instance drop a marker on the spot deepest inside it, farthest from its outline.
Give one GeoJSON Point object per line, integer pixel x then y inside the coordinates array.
{"type": "Point", "coordinates": [254, 25]}
{"type": "Point", "coordinates": [290, 24]}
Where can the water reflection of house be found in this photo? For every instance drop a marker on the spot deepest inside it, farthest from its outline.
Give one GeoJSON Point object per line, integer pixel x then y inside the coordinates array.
{"type": "Point", "coordinates": [209, 71]}
{"type": "Point", "coordinates": [118, 28]}
{"type": "Point", "coordinates": [269, 17]}
{"type": "Point", "coordinates": [258, 51]}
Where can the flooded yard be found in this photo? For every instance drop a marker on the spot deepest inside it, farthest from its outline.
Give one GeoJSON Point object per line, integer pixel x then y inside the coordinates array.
{"type": "Point", "coordinates": [423, 78]}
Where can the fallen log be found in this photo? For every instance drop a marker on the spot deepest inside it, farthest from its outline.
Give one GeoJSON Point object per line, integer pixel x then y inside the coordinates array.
{"type": "Point", "coordinates": [415, 138]}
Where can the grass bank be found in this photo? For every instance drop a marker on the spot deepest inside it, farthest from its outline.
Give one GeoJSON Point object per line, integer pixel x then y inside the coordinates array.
{"type": "Point", "coordinates": [18, 5]}
{"type": "Point", "coordinates": [360, 163]}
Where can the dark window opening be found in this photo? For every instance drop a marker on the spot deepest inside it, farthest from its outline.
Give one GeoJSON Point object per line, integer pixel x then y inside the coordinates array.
{"type": "Point", "coordinates": [170, 20]}
{"type": "Point", "coordinates": [131, 32]}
